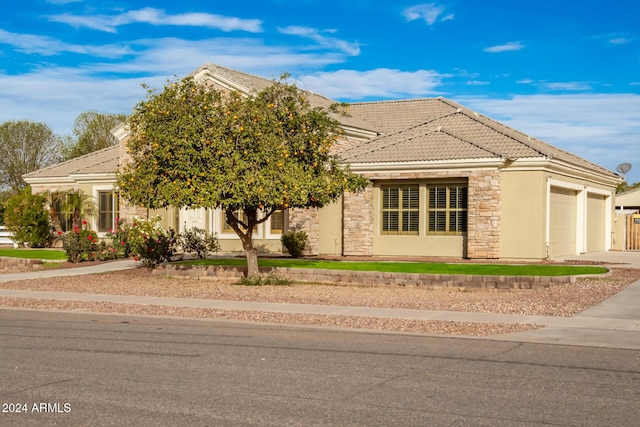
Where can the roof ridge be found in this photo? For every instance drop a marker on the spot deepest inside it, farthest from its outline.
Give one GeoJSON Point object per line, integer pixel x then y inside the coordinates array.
{"type": "Point", "coordinates": [476, 144]}
{"type": "Point", "coordinates": [387, 135]}
{"type": "Point", "coordinates": [391, 101]}
{"type": "Point", "coordinates": [214, 67]}
{"type": "Point", "coordinates": [491, 123]}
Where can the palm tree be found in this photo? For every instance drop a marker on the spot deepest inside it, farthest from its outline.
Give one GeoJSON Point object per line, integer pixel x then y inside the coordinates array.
{"type": "Point", "coordinates": [70, 207]}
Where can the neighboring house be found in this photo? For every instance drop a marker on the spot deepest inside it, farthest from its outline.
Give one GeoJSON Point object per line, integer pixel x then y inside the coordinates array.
{"type": "Point", "coordinates": [628, 200]}
{"type": "Point", "coordinates": [627, 221]}
{"type": "Point", "coordinates": [446, 181]}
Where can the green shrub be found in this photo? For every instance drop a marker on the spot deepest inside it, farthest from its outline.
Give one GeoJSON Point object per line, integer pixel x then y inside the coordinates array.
{"type": "Point", "coordinates": [271, 279]}
{"type": "Point", "coordinates": [150, 243]}
{"type": "Point", "coordinates": [294, 242]}
{"type": "Point", "coordinates": [198, 241]}
{"type": "Point", "coordinates": [25, 216]}
{"type": "Point", "coordinates": [80, 244]}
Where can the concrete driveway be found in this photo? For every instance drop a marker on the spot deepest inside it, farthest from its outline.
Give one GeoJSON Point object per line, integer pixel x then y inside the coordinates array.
{"type": "Point", "coordinates": [621, 259]}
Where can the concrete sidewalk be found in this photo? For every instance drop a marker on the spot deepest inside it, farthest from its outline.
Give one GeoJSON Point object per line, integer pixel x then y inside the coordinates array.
{"type": "Point", "coordinates": [613, 323]}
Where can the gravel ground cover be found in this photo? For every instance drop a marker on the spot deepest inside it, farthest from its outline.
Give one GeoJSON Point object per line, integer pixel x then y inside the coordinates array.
{"type": "Point", "coordinates": [560, 300]}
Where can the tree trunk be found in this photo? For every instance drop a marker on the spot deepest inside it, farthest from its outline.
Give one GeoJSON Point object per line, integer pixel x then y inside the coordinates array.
{"type": "Point", "coordinates": [252, 262]}
{"type": "Point", "coordinates": [246, 237]}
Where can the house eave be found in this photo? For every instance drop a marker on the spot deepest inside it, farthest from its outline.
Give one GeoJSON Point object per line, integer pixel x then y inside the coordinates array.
{"type": "Point", "coordinates": [490, 163]}
{"type": "Point", "coordinates": [73, 179]}
{"type": "Point", "coordinates": [566, 169]}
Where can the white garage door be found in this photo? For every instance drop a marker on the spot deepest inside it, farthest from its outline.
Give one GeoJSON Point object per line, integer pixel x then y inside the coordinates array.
{"type": "Point", "coordinates": [595, 222]}
{"type": "Point", "coordinates": [562, 222]}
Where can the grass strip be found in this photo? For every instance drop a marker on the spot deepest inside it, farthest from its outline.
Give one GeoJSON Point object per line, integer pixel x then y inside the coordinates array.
{"type": "Point", "coordinates": [414, 267]}
{"type": "Point", "coordinates": [48, 254]}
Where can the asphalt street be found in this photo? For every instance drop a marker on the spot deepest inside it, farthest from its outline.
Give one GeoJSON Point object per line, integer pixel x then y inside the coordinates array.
{"type": "Point", "coordinates": [92, 369]}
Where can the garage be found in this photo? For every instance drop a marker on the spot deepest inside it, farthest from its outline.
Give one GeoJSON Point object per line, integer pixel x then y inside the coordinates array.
{"type": "Point", "coordinates": [562, 221]}
{"type": "Point", "coordinates": [596, 221]}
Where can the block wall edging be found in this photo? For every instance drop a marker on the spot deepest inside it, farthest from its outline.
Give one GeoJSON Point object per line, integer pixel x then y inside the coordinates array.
{"type": "Point", "coordinates": [370, 278]}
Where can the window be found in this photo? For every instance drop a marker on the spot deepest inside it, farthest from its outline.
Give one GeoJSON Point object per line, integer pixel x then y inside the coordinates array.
{"type": "Point", "coordinates": [447, 209]}
{"type": "Point", "coordinates": [64, 214]}
{"type": "Point", "coordinates": [107, 210]}
{"type": "Point", "coordinates": [226, 228]}
{"type": "Point", "coordinates": [400, 210]}
{"type": "Point", "coordinates": [276, 225]}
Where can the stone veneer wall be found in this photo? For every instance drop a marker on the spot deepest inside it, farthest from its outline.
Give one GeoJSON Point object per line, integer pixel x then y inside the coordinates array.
{"type": "Point", "coordinates": [127, 210]}
{"type": "Point", "coordinates": [307, 220]}
{"type": "Point", "coordinates": [483, 223]}
{"type": "Point", "coordinates": [357, 223]}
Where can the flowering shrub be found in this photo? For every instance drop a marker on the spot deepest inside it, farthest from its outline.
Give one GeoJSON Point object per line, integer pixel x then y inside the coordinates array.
{"type": "Point", "coordinates": [198, 241]}
{"type": "Point", "coordinates": [80, 244]}
{"type": "Point", "coordinates": [118, 239]}
{"type": "Point", "coordinates": [150, 243]}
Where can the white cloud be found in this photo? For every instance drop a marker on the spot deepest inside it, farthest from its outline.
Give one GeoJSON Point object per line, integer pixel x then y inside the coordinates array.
{"type": "Point", "coordinates": [56, 2]}
{"type": "Point", "coordinates": [558, 86]}
{"type": "Point", "coordinates": [48, 46]}
{"type": "Point", "coordinates": [56, 95]}
{"type": "Point", "coordinates": [620, 40]}
{"type": "Point", "coordinates": [476, 83]}
{"type": "Point", "coordinates": [378, 83]}
{"type": "Point", "coordinates": [429, 12]}
{"type": "Point", "coordinates": [352, 49]}
{"type": "Point", "coordinates": [507, 47]}
{"type": "Point", "coordinates": [602, 128]}
{"type": "Point", "coordinates": [567, 86]}
{"type": "Point", "coordinates": [152, 16]}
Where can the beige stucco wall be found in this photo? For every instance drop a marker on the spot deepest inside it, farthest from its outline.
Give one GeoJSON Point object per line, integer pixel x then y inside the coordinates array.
{"type": "Point", "coordinates": [330, 229]}
{"type": "Point", "coordinates": [524, 205]}
{"type": "Point", "coordinates": [524, 210]}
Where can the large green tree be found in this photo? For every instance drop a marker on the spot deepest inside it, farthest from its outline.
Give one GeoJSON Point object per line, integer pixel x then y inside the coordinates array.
{"type": "Point", "coordinates": [25, 147]}
{"type": "Point", "coordinates": [92, 132]}
{"type": "Point", "coordinates": [194, 146]}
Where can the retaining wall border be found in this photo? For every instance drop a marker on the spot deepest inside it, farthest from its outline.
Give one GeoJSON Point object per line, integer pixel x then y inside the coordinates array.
{"type": "Point", "coordinates": [367, 278]}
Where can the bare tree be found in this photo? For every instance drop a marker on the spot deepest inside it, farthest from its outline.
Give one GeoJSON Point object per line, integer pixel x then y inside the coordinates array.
{"type": "Point", "coordinates": [92, 132]}
{"type": "Point", "coordinates": [25, 147]}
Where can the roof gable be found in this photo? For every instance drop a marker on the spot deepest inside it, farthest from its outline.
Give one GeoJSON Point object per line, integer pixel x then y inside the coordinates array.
{"type": "Point", "coordinates": [248, 83]}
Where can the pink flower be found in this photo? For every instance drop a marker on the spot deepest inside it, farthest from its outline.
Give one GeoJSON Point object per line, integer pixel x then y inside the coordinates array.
{"type": "Point", "coordinates": [111, 230]}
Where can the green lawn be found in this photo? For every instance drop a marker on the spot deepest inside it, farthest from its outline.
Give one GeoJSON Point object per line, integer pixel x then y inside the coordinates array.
{"type": "Point", "coordinates": [48, 254]}
{"type": "Point", "coordinates": [416, 267]}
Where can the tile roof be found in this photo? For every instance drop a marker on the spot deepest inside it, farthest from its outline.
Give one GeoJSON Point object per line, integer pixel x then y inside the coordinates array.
{"type": "Point", "coordinates": [433, 129]}
{"type": "Point", "coordinates": [105, 161]}
{"type": "Point", "coordinates": [250, 83]}
{"type": "Point", "coordinates": [440, 129]}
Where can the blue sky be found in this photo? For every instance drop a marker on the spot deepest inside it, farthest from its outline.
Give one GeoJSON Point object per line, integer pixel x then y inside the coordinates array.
{"type": "Point", "coordinates": [567, 72]}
